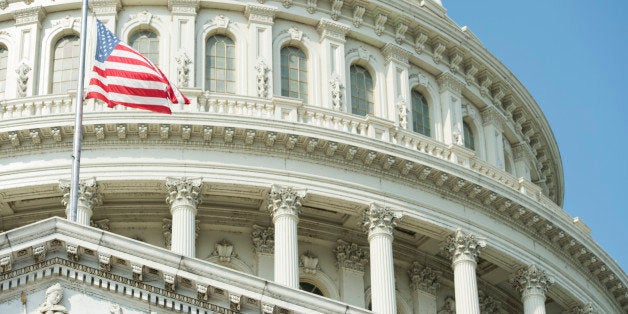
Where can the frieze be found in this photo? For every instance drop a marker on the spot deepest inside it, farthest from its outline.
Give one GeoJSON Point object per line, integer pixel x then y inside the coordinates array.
{"type": "Point", "coordinates": [115, 278]}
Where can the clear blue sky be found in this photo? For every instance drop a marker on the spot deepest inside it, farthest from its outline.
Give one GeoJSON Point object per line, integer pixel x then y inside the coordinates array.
{"type": "Point", "coordinates": [573, 58]}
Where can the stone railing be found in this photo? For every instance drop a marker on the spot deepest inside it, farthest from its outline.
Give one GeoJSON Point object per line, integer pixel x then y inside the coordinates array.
{"type": "Point", "coordinates": [287, 110]}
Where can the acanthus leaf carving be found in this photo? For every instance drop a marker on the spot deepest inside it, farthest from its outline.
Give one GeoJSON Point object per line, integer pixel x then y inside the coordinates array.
{"type": "Point", "coordinates": [335, 87]}
{"type": "Point", "coordinates": [336, 6]}
{"type": "Point", "coordinates": [380, 219]}
{"type": "Point", "coordinates": [22, 79]}
{"type": "Point", "coordinates": [531, 280]}
{"type": "Point", "coordinates": [262, 78]}
{"type": "Point", "coordinates": [183, 69]}
{"type": "Point", "coordinates": [380, 22]}
{"type": "Point", "coordinates": [463, 246]}
{"type": "Point", "coordinates": [424, 278]}
{"type": "Point", "coordinates": [350, 256]}
{"type": "Point", "coordinates": [263, 239]}
{"type": "Point", "coordinates": [358, 13]}
{"type": "Point", "coordinates": [285, 200]}
{"type": "Point", "coordinates": [224, 251]}
{"type": "Point", "coordinates": [309, 262]}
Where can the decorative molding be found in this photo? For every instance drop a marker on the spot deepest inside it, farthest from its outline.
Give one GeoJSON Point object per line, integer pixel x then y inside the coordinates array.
{"type": "Point", "coordinates": [309, 262]}
{"type": "Point", "coordinates": [333, 30]}
{"type": "Point", "coordinates": [350, 256]}
{"type": "Point", "coordinates": [531, 280]}
{"type": "Point", "coordinates": [184, 189]}
{"type": "Point", "coordinates": [424, 278]}
{"type": "Point", "coordinates": [88, 192]}
{"type": "Point", "coordinates": [4, 4]}
{"type": "Point", "coordinates": [144, 18]}
{"type": "Point", "coordinates": [358, 13]}
{"type": "Point", "coordinates": [53, 297]}
{"type": "Point", "coordinates": [380, 22]}
{"type": "Point", "coordinates": [260, 13]}
{"type": "Point", "coordinates": [455, 57]}
{"type": "Point", "coordinates": [285, 200]}
{"type": "Point", "coordinates": [380, 219]}
{"type": "Point", "coordinates": [488, 304]}
{"type": "Point", "coordinates": [312, 6]}
{"type": "Point", "coordinates": [224, 251]}
{"type": "Point", "coordinates": [449, 306]}
{"type": "Point", "coordinates": [187, 7]}
{"type": "Point", "coordinates": [463, 246]}
{"type": "Point", "coordinates": [68, 22]}
{"type": "Point", "coordinates": [419, 40]}
{"type": "Point", "coordinates": [105, 7]}
{"type": "Point", "coordinates": [263, 239]}
{"type": "Point", "coordinates": [439, 45]}
{"type": "Point", "coordinates": [166, 229]}
{"type": "Point", "coordinates": [183, 69]}
{"type": "Point", "coordinates": [449, 82]}
{"type": "Point", "coordinates": [262, 78]}
{"type": "Point", "coordinates": [402, 111]}
{"type": "Point", "coordinates": [22, 79]}
{"type": "Point", "coordinates": [336, 7]}
{"type": "Point", "coordinates": [396, 53]}
{"type": "Point", "coordinates": [29, 15]}
{"type": "Point", "coordinates": [335, 88]}
{"type": "Point", "coordinates": [400, 32]}
{"type": "Point", "coordinates": [295, 33]}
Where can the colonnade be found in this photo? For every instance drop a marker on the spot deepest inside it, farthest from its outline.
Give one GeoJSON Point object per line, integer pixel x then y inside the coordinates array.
{"type": "Point", "coordinates": [284, 205]}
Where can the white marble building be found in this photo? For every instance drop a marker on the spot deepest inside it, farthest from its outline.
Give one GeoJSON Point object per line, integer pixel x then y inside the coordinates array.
{"type": "Point", "coordinates": [337, 157]}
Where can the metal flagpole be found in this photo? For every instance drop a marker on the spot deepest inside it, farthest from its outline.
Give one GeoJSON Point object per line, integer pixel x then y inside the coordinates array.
{"type": "Point", "coordinates": [78, 122]}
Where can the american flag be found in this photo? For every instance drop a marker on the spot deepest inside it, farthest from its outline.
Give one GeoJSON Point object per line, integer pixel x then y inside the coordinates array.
{"type": "Point", "coordinates": [122, 76]}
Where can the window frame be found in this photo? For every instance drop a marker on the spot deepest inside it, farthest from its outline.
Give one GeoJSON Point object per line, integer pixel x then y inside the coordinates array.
{"type": "Point", "coordinates": [207, 78]}
{"type": "Point", "coordinates": [355, 109]}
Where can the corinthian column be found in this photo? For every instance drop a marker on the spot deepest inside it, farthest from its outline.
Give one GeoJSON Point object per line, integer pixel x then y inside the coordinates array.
{"type": "Point", "coordinates": [464, 249]}
{"type": "Point", "coordinates": [532, 283]}
{"type": "Point", "coordinates": [285, 206]}
{"type": "Point", "coordinates": [88, 197]}
{"type": "Point", "coordinates": [184, 195]}
{"type": "Point", "coordinates": [379, 223]}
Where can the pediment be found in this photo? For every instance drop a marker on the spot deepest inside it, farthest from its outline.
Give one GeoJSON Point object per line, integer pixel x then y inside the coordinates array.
{"type": "Point", "coordinates": [101, 270]}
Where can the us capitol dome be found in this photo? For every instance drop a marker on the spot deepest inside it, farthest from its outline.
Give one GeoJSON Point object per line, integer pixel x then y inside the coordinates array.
{"type": "Point", "coordinates": [337, 156]}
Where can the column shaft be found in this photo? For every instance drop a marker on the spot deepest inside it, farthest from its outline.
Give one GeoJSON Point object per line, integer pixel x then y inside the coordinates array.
{"type": "Point", "coordinates": [382, 274]}
{"type": "Point", "coordinates": [534, 304]}
{"type": "Point", "coordinates": [466, 290]}
{"type": "Point", "coordinates": [83, 213]}
{"type": "Point", "coordinates": [184, 230]}
{"type": "Point", "coordinates": [286, 250]}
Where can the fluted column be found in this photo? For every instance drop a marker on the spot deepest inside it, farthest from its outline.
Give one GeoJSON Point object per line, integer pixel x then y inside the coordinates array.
{"type": "Point", "coordinates": [351, 259]}
{"type": "Point", "coordinates": [184, 197]}
{"type": "Point", "coordinates": [425, 282]}
{"type": "Point", "coordinates": [532, 283]}
{"type": "Point", "coordinates": [379, 223]}
{"type": "Point", "coordinates": [88, 197]}
{"type": "Point", "coordinates": [285, 206]}
{"type": "Point", "coordinates": [464, 249]}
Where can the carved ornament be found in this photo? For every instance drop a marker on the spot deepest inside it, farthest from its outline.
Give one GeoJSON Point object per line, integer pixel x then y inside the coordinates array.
{"type": "Point", "coordinates": [380, 219]}
{"type": "Point", "coordinates": [285, 200]}
{"type": "Point", "coordinates": [462, 246]}
{"type": "Point", "coordinates": [263, 239]}
{"type": "Point", "coordinates": [531, 281]}
{"type": "Point", "coordinates": [184, 190]}
{"type": "Point", "coordinates": [424, 278]}
{"type": "Point", "coordinates": [350, 256]}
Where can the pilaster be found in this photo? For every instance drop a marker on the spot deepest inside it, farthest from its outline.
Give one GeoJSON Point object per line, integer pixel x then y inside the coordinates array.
{"type": "Point", "coordinates": [463, 250]}
{"type": "Point", "coordinates": [351, 260]}
{"type": "Point", "coordinates": [183, 16]}
{"type": "Point", "coordinates": [451, 109]}
{"type": "Point", "coordinates": [284, 204]}
{"type": "Point", "coordinates": [184, 195]}
{"type": "Point", "coordinates": [425, 283]}
{"type": "Point", "coordinates": [264, 246]}
{"type": "Point", "coordinates": [88, 197]}
{"type": "Point", "coordinates": [379, 223]}
{"type": "Point", "coordinates": [28, 31]}
{"type": "Point", "coordinates": [106, 11]}
{"type": "Point", "coordinates": [261, 20]}
{"type": "Point", "coordinates": [533, 284]}
{"type": "Point", "coordinates": [333, 37]}
{"type": "Point", "coordinates": [398, 90]}
{"type": "Point", "coordinates": [493, 129]}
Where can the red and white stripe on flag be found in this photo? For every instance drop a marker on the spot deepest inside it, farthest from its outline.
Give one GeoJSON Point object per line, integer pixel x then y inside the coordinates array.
{"type": "Point", "coordinates": [122, 76]}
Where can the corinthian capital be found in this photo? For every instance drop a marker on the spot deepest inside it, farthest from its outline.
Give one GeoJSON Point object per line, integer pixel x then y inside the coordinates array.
{"type": "Point", "coordinates": [350, 256]}
{"type": "Point", "coordinates": [424, 278]}
{"type": "Point", "coordinates": [379, 219]}
{"type": "Point", "coordinates": [88, 195]}
{"type": "Point", "coordinates": [184, 190]}
{"type": "Point", "coordinates": [263, 239]}
{"type": "Point", "coordinates": [285, 200]}
{"type": "Point", "coordinates": [461, 246]}
{"type": "Point", "coordinates": [531, 280]}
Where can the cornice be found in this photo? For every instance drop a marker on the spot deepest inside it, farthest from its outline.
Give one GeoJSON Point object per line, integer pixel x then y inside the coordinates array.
{"type": "Point", "coordinates": [261, 14]}
{"type": "Point", "coordinates": [329, 29]}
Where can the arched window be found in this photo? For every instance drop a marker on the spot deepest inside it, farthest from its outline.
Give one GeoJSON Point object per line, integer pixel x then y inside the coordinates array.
{"type": "Point", "coordinates": [293, 73]}
{"type": "Point", "coordinates": [4, 61]}
{"type": "Point", "coordinates": [310, 287]}
{"type": "Point", "coordinates": [469, 141]}
{"type": "Point", "coordinates": [220, 64]}
{"type": "Point", "coordinates": [65, 64]}
{"type": "Point", "coordinates": [147, 43]}
{"type": "Point", "coordinates": [420, 114]}
{"type": "Point", "coordinates": [361, 91]}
